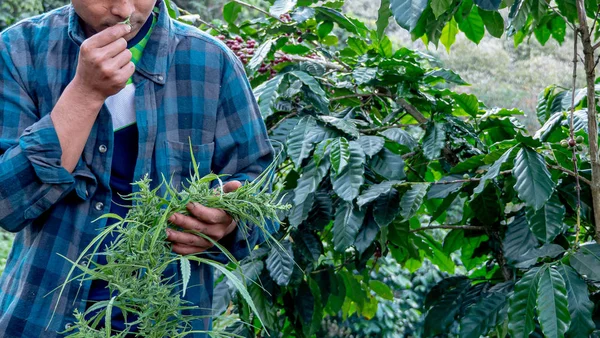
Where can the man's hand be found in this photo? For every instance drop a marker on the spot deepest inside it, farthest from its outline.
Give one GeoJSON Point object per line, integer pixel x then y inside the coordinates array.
{"type": "Point", "coordinates": [214, 223]}
{"type": "Point", "coordinates": [105, 63]}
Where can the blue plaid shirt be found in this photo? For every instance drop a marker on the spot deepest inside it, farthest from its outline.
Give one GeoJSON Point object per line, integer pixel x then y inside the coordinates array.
{"type": "Point", "coordinates": [188, 85]}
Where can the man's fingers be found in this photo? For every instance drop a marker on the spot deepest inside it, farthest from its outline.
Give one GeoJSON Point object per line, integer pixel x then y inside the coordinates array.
{"type": "Point", "coordinates": [121, 60]}
{"type": "Point", "coordinates": [114, 48]}
{"type": "Point", "coordinates": [190, 223]}
{"type": "Point", "coordinates": [231, 186]}
{"type": "Point", "coordinates": [183, 249]}
{"type": "Point", "coordinates": [208, 215]}
{"type": "Point", "coordinates": [109, 35]}
{"type": "Point", "coordinates": [178, 237]}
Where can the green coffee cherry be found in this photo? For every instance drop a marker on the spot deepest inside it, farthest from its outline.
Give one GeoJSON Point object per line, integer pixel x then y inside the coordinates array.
{"type": "Point", "coordinates": [564, 144]}
{"type": "Point", "coordinates": [466, 176]}
{"type": "Point", "coordinates": [579, 139]}
{"type": "Point", "coordinates": [579, 147]}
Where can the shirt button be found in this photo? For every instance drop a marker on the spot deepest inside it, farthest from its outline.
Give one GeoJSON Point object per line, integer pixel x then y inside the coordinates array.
{"type": "Point", "coordinates": [160, 78]}
{"type": "Point", "coordinates": [102, 148]}
{"type": "Point", "coordinates": [99, 206]}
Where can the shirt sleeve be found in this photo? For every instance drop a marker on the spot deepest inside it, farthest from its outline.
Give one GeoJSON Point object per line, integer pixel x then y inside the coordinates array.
{"type": "Point", "coordinates": [32, 178]}
{"type": "Point", "coordinates": [242, 149]}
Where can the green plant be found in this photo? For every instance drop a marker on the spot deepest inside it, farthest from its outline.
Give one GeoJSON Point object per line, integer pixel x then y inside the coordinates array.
{"type": "Point", "coordinates": [140, 255]}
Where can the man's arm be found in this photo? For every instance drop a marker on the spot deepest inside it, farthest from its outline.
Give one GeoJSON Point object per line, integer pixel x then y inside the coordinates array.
{"type": "Point", "coordinates": [38, 155]}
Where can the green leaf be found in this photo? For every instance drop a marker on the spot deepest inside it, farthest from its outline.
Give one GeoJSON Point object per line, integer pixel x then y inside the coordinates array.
{"type": "Point", "coordinates": [184, 263]}
{"type": "Point", "coordinates": [371, 144]}
{"type": "Point", "coordinates": [231, 11]}
{"type": "Point", "coordinates": [587, 261]}
{"type": "Point", "coordinates": [434, 140]}
{"type": "Point", "coordinates": [299, 212]}
{"type": "Point", "coordinates": [388, 165]}
{"type": "Point", "coordinates": [338, 18]}
{"type": "Point", "coordinates": [260, 55]}
{"type": "Point", "coordinates": [521, 310]}
{"type": "Point", "coordinates": [385, 47]}
{"type": "Point", "coordinates": [282, 7]}
{"type": "Point", "coordinates": [295, 49]}
{"type": "Point", "coordinates": [534, 183]}
{"type": "Point", "coordinates": [324, 29]}
{"type": "Point", "coordinates": [443, 190]}
{"type": "Point", "coordinates": [518, 240]}
{"type": "Point", "coordinates": [374, 191]}
{"type": "Point", "coordinates": [381, 289]}
{"type": "Point", "coordinates": [559, 28]}
{"type": "Point", "coordinates": [547, 222]}
{"type": "Point", "coordinates": [310, 82]}
{"type": "Point", "coordinates": [568, 8]}
{"type": "Point", "coordinates": [580, 305]}
{"type": "Point", "coordinates": [488, 5]}
{"type": "Point", "coordinates": [412, 200]}
{"type": "Point", "coordinates": [383, 17]}
{"type": "Point", "coordinates": [280, 263]}
{"type": "Point", "coordinates": [348, 221]}
{"type": "Point", "coordinates": [348, 182]}
{"type": "Point", "coordinates": [553, 310]}
{"type": "Point", "coordinates": [408, 12]}
{"type": "Point", "coordinates": [312, 175]}
{"type": "Point", "coordinates": [265, 308]}
{"type": "Point", "coordinates": [302, 14]}
{"type": "Point", "coordinates": [492, 172]}
{"type": "Point", "coordinates": [400, 136]}
{"type": "Point", "coordinates": [363, 75]}
{"type": "Point", "coordinates": [339, 153]}
{"type": "Point", "coordinates": [441, 315]}
{"type": "Point", "coordinates": [483, 316]}
{"type": "Point", "coordinates": [493, 21]}
{"type": "Point", "coordinates": [267, 94]}
{"type": "Point", "coordinates": [366, 235]}
{"type": "Point", "coordinates": [517, 17]}
{"type": "Point", "coordinates": [449, 32]}
{"type": "Point", "coordinates": [387, 207]}
{"type": "Point", "coordinates": [358, 45]}
{"type": "Point", "coordinates": [440, 7]}
{"type": "Point", "coordinates": [309, 245]}
{"type": "Point", "coordinates": [448, 75]}
{"type": "Point", "coordinates": [302, 139]}
{"type": "Point", "coordinates": [468, 103]}
{"type": "Point", "coordinates": [473, 27]}
{"type": "Point", "coordinates": [345, 125]}
{"type": "Point", "coordinates": [486, 206]}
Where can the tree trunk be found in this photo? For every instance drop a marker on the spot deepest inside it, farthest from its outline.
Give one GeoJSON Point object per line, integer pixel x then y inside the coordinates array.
{"type": "Point", "coordinates": [590, 76]}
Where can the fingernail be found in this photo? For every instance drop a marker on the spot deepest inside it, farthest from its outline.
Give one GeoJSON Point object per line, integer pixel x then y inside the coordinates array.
{"type": "Point", "coordinates": [172, 218]}
{"type": "Point", "coordinates": [128, 28]}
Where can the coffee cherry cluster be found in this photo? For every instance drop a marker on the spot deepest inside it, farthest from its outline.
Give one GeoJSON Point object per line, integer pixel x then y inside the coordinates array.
{"type": "Point", "coordinates": [573, 143]}
{"type": "Point", "coordinates": [244, 50]}
{"type": "Point", "coordinates": [285, 18]}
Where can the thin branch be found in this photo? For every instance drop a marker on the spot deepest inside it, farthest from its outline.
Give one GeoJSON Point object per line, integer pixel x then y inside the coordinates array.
{"type": "Point", "coordinates": [298, 58]}
{"type": "Point", "coordinates": [570, 173]}
{"type": "Point", "coordinates": [290, 115]}
{"type": "Point", "coordinates": [374, 130]}
{"type": "Point", "coordinates": [414, 112]}
{"type": "Point", "coordinates": [452, 227]}
{"type": "Point", "coordinates": [572, 138]}
{"type": "Point", "coordinates": [258, 9]}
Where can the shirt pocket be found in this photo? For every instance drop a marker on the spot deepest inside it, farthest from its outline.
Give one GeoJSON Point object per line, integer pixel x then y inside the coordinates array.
{"type": "Point", "coordinates": [180, 166]}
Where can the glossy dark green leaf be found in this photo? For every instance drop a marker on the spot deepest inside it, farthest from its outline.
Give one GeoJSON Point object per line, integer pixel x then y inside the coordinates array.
{"type": "Point", "coordinates": [280, 263]}
{"type": "Point", "coordinates": [373, 192]}
{"type": "Point", "coordinates": [441, 315]}
{"type": "Point", "coordinates": [468, 102]}
{"type": "Point", "coordinates": [302, 139]}
{"type": "Point", "coordinates": [547, 222]}
{"type": "Point", "coordinates": [587, 261]}
{"type": "Point", "coordinates": [347, 183]}
{"type": "Point", "coordinates": [346, 125]}
{"type": "Point", "coordinates": [387, 208]}
{"type": "Point", "coordinates": [363, 75]}
{"type": "Point", "coordinates": [492, 172]}
{"type": "Point", "coordinates": [339, 154]}
{"type": "Point", "coordinates": [311, 82]}
{"type": "Point", "coordinates": [518, 240]}
{"type": "Point", "coordinates": [338, 18]}
{"type": "Point", "coordinates": [434, 140]}
{"type": "Point", "coordinates": [446, 74]}
{"type": "Point", "coordinates": [580, 305]}
{"type": "Point", "coordinates": [265, 308]}
{"type": "Point", "coordinates": [383, 17]}
{"type": "Point", "coordinates": [367, 234]}
{"type": "Point", "coordinates": [231, 11]}
{"type": "Point", "coordinates": [552, 306]}
{"type": "Point", "coordinates": [449, 33]}
{"type": "Point", "coordinates": [348, 221]}
{"type": "Point", "coordinates": [493, 22]}
{"type": "Point", "coordinates": [473, 27]}
{"type": "Point", "coordinates": [440, 7]}
{"type": "Point", "coordinates": [254, 63]}
{"type": "Point", "coordinates": [400, 136]}
{"type": "Point", "coordinates": [521, 310]}
{"type": "Point", "coordinates": [412, 199]}
{"type": "Point", "coordinates": [312, 175]}
{"type": "Point", "coordinates": [324, 29]}
{"type": "Point", "coordinates": [534, 184]}
{"type": "Point", "coordinates": [486, 206]}
{"type": "Point", "coordinates": [371, 144]}
{"type": "Point", "coordinates": [388, 165]}
{"type": "Point", "coordinates": [483, 316]}
{"type": "Point", "coordinates": [443, 190]}
{"type": "Point", "coordinates": [488, 5]}
{"type": "Point", "coordinates": [299, 212]}
{"type": "Point", "coordinates": [408, 12]}
{"type": "Point", "coordinates": [309, 245]}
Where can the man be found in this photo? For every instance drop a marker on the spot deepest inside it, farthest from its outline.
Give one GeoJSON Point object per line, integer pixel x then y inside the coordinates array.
{"type": "Point", "coordinates": [88, 105]}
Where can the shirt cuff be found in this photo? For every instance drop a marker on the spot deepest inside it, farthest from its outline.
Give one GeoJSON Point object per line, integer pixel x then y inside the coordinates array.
{"type": "Point", "coordinates": [41, 146]}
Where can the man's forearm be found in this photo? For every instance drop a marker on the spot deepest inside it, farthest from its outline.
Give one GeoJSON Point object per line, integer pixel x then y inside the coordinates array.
{"type": "Point", "coordinates": [73, 118]}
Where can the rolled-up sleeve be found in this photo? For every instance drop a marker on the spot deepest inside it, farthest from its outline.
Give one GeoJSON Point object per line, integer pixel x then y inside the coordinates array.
{"type": "Point", "coordinates": [32, 178]}
{"type": "Point", "coordinates": [242, 148]}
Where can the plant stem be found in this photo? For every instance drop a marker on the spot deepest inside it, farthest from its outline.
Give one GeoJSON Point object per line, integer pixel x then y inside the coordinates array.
{"type": "Point", "coordinates": [590, 76]}
{"type": "Point", "coordinates": [290, 115]}
{"type": "Point", "coordinates": [452, 227]}
{"type": "Point", "coordinates": [258, 9]}
{"type": "Point", "coordinates": [572, 136]}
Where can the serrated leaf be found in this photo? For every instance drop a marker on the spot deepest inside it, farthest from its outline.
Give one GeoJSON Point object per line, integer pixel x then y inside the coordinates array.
{"type": "Point", "coordinates": [186, 271]}
{"type": "Point", "coordinates": [587, 261]}
{"type": "Point", "coordinates": [348, 182]}
{"type": "Point", "coordinates": [580, 305]}
{"type": "Point", "coordinates": [371, 144]}
{"type": "Point", "coordinates": [383, 17]}
{"type": "Point", "coordinates": [552, 307]}
{"type": "Point", "coordinates": [521, 309]}
{"type": "Point", "coordinates": [411, 200]}
{"type": "Point", "coordinates": [547, 222]}
{"type": "Point", "coordinates": [492, 172]}
{"type": "Point", "coordinates": [483, 316]}
{"type": "Point", "coordinates": [339, 154]}
{"type": "Point", "coordinates": [280, 263]}
{"type": "Point", "coordinates": [302, 139]}
{"type": "Point", "coordinates": [387, 208]}
{"type": "Point", "coordinates": [518, 240]}
{"type": "Point", "coordinates": [348, 221]}
{"type": "Point", "coordinates": [534, 183]}
{"type": "Point", "coordinates": [282, 7]}
{"type": "Point", "coordinates": [434, 140]}
{"type": "Point", "coordinates": [388, 165]}
{"type": "Point", "coordinates": [400, 136]}
{"type": "Point", "coordinates": [408, 12]}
